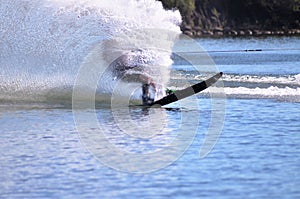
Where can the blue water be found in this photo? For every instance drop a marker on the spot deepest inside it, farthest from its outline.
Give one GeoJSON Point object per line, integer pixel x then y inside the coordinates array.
{"type": "Point", "coordinates": [256, 156]}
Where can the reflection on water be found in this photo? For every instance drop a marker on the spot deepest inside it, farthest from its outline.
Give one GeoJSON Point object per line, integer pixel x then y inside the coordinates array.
{"type": "Point", "coordinates": [136, 139]}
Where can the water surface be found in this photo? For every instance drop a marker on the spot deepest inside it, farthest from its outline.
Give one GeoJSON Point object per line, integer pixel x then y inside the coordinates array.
{"type": "Point", "coordinates": [256, 156]}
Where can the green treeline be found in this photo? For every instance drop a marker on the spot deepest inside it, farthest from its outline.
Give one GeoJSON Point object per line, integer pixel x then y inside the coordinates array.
{"type": "Point", "coordinates": [238, 14]}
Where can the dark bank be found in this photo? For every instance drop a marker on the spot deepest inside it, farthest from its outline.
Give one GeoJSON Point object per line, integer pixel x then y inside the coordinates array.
{"type": "Point", "coordinates": [237, 18]}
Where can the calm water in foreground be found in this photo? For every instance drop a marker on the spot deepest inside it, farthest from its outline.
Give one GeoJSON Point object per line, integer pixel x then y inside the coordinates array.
{"type": "Point", "coordinates": [257, 154]}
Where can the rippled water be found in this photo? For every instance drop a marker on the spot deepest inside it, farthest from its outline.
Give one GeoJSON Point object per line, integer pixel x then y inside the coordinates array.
{"type": "Point", "coordinates": [256, 156]}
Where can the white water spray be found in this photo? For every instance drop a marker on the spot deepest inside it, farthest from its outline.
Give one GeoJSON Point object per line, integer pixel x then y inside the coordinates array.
{"type": "Point", "coordinates": [44, 42]}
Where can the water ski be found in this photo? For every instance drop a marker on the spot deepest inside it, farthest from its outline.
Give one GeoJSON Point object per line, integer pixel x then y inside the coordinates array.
{"type": "Point", "coordinates": [189, 91]}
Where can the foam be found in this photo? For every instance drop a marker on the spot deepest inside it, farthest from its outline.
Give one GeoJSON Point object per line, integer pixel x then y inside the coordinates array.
{"type": "Point", "coordinates": [272, 92]}
{"type": "Point", "coordinates": [286, 88]}
{"type": "Point", "coordinates": [267, 79]}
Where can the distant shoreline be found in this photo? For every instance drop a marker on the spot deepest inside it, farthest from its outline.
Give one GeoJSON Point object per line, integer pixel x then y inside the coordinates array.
{"type": "Point", "coordinates": [225, 32]}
